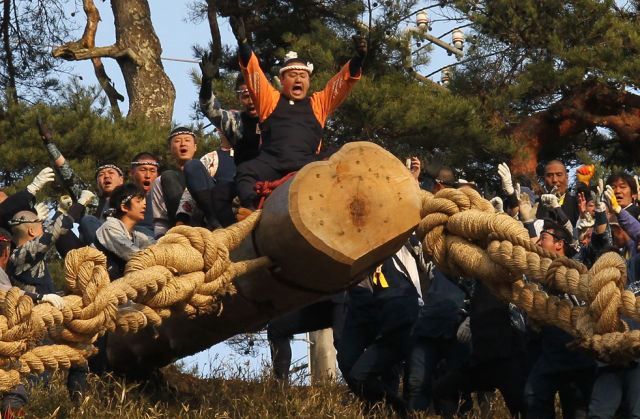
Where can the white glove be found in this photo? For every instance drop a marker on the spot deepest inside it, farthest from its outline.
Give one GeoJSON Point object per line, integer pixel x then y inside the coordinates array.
{"type": "Point", "coordinates": [55, 300]}
{"type": "Point", "coordinates": [464, 331]}
{"type": "Point", "coordinates": [86, 197]}
{"type": "Point", "coordinates": [65, 203]}
{"type": "Point", "coordinates": [45, 176]}
{"type": "Point", "coordinates": [550, 200]}
{"type": "Point", "coordinates": [497, 204]}
{"type": "Point", "coordinates": [42, 210]}
{"type": "Point", "coordinates": [505, 175]}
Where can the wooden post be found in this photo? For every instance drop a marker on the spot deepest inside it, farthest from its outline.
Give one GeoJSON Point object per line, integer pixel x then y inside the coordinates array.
{"type": "Point", "coordinates": [322, 356]}
{"type": "Point", "coordinates": [323, 229]}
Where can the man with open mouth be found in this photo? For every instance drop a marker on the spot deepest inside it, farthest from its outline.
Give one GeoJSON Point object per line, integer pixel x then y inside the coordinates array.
{"type": "Point", "coordinates": [144, 170]}
{"type": "Point", "coordinates": [167, 189]}
{"type": "Point", "coordinates": [291, 122]}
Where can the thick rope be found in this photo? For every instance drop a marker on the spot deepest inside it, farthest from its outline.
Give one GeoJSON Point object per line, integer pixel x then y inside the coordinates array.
{"type": "Point", "coordinates": [185, 274]}
{"type": "Point", "coordinates": [188, 272]}
{"type": "Point", "coordinates": [462, 234]}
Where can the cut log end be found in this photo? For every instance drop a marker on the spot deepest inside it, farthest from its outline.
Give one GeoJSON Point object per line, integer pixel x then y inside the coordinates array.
{"type": "Point", "coordinates": [361, 199]}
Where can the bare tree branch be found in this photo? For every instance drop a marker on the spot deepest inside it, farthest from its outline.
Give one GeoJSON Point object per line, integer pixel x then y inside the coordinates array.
{"type": "Point", "coordinates": [7, 49]}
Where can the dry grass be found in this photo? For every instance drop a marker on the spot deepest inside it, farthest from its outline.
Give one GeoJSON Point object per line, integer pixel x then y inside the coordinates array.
{"type": "Point", "coordinates": [175, 393]}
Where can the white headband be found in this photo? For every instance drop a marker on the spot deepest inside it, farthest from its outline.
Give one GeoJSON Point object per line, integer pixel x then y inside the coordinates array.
{"type": "Point", "coordinates": [292, 55]}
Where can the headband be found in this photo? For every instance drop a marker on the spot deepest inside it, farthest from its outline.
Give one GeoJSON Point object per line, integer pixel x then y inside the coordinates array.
{"type": "Point", "coordinates": [109, 212]}
{"type": "Point", "coordinates": [183, 131]}
{"type": "Point", "coordinates": [143, 163]}
{"type": "Point", "coordinates": [108, 166]}
{"type": "Point", "coordinates": [22, 220]}
{"type": "Point", "coordinates": [4, 239]}
{"type": "Point", "coordinates": [293, 56]}
{"type": "Point", "coordinates": [127, 199]}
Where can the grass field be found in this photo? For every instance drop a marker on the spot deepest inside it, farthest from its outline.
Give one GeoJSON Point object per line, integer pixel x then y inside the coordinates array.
{"type": "Point", "coordinates": [175, 393]}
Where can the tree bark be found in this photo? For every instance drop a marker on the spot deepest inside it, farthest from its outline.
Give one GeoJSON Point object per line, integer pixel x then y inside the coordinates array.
{"type": "Point", "coordinates": [11, 70]}
{"type": "Point", "coordinates": [324, 229]}
{"type": "Point", "coordinates": [590, 105]}
{"type": "Point", "coordinates": [212, 17]}
{"type": "Point", "coordinates": [89, 38]}
{"type": "Point", "coordinates": [137, 51]}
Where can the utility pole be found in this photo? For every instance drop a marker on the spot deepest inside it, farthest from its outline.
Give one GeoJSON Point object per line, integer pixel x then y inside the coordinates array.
{"type": "Point", "coordinates": [322, 356]}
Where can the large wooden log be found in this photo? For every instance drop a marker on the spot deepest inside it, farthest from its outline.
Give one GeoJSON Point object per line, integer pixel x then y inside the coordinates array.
{"type": "Point", "coordinates": [324, 228]}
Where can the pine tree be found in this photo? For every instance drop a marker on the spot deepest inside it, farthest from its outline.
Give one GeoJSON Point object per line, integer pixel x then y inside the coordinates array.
{"type": "Point", "coordinates": [86, 134]}
{"type": "Point", "coordinates": [558, 77]}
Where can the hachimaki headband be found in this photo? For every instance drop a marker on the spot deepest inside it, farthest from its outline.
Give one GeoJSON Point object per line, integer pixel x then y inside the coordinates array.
{"type": "Point", "coordinates": [292, 56]}
{"type": "Point", "coordinates": [108, 166]}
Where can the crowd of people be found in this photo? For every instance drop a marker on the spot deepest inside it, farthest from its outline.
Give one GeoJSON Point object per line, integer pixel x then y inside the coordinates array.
{"type": "Point", "coordinates": [445, 336]}
{"type": "Point", "coordinates": [448, 337]}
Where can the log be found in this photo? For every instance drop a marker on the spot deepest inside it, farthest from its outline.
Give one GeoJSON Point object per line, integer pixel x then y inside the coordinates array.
{"type": "Point", "coordinates": [324, 229]}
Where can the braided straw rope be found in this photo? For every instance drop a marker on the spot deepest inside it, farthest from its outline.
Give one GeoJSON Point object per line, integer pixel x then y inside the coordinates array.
{"type": "Point", "coordinates": [189, 270]}
{"type": "Point", "coordinates": [184, 274]}
{"type": "Point", "coordinates": [462, 234]}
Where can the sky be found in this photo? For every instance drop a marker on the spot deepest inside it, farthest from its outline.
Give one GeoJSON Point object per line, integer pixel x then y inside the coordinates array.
{"type": "Point", "coordinates": [177, 37]}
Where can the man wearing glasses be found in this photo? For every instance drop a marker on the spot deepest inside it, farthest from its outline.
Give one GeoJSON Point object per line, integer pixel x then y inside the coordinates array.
{"type": "Point", "coordinates": [558, 369]}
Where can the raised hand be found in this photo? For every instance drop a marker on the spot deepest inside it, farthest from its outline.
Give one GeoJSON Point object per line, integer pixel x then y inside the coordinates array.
{"type": "Point", "coordinates": [237, 26]}
{"type": "Point", "coordinates": [360, 45]}
{"type": "Point", "coordinates": [497, 203]}
{"type": "Point", "coordinates": [611, 200]}
{"type": "Point", "coordinates": [86, 197]}
{"type": "Point", "coordinates": [45, 131]}
{"type": "Point", "coordinates": [550, 200]}
{"type": "Point", "coordinates": [45, 176]}
{"type": "Point", "coordinates": [582, 203]}
{"type": "Point", "coordinates": [585, 173]}
{"type": "Point", "coordinates": [505, 177]}
{"type": "Point", "coordinates": [527, 212]}
{"type": "Point", "coordinates": [209, 66]}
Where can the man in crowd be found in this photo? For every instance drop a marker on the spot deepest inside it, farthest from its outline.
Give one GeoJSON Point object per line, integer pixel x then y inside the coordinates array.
{"type": "Point", "coordinates": [291, 122]}
{"type": "Point", "coordinates": [14, 400]}
{"type": "Point", "coordinates": [167, 189]}
{"type": "Point", "coordinates": [212, 184]}
{"type": "Point", "coordinates": [625, 190]}
{"type": "Point", "coordinates": [27, 268]}
{"type": "Point", "coordinates": [558, 369]}
{"type": "Point", "coordinates": [240, 128]}
{"type": "Point", "coordinates": [556, 182]}
{"type": "Point", "coordinates": [144, 170]}
{"type": "Point", "coordinates": [23, 200]}
{"type": "Point", "coordinates": [108, 177]}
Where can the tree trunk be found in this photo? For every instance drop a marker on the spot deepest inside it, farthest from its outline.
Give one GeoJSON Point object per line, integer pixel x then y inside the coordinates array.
{"type": "Point", "coordinates": [151, 93]}
{"type": "Point", "coordinates": [6, 43]}
{"type": "Point", "coordinates": [324, 229]}
{"type": "Point", "coordinates": [212, 17]}
{"type": "Point", "coordinates": [137, 51]}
